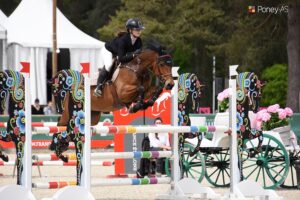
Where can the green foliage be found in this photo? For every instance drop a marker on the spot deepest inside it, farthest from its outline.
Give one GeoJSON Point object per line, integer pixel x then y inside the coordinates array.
{"type": "Point", "coordinates": [223, 105]}
{"type": "Point", "coordinates": [275, 89]}
{"type": "Point", "coordinates": [275, 122]}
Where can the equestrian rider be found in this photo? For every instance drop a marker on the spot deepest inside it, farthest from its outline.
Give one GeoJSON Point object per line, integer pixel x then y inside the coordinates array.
{"type": "Point", "coordinates": [124, 48]}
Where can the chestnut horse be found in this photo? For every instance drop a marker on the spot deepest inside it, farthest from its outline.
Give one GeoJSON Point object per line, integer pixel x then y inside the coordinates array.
{"type": "Point", "coordinates": [132, 84]}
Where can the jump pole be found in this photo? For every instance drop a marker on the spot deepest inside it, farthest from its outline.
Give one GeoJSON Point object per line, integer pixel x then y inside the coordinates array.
{"type": "Point", "coordinates": [174, 114]}
{"type": "Point", "coordinates": [234, 176]}
{"type": "Point", "coordinates": [27, 161]}
{"type": "Point", "coordinates": [86, 173]}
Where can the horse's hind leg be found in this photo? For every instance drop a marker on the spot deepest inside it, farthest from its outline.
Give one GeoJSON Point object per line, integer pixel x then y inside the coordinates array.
{"type": "Point", "coordinates": [95, 117]}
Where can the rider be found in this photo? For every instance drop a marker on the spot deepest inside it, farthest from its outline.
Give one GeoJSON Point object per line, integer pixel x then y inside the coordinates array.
{"type": "Point", "coordinates": [124, 48]}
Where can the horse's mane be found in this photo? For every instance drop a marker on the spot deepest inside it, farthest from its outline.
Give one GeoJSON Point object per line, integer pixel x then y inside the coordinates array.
{"type": "Point", "coordinates": [156, 46]}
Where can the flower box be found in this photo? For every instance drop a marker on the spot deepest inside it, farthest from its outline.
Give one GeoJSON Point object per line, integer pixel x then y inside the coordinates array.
{"type": "Point", "coordinates": [285, 134]}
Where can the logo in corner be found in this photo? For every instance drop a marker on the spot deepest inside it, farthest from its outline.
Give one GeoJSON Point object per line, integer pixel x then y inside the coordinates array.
{"type": "Point", "coordinates": [251, 9]}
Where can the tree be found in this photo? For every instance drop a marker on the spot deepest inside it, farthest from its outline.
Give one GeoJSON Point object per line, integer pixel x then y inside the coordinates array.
{"type": "Point", "coordinates": [275, 89]}
{"type": "Point", "coordinates": [293, 50]}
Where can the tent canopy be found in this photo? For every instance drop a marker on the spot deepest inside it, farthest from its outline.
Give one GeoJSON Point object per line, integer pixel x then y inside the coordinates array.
{"type": "Point", "coordinates": [29, 38]}
{"type": "Point", "coordinates": [30, 25]}
{"type": "Point", "coordinates": [3, 18]}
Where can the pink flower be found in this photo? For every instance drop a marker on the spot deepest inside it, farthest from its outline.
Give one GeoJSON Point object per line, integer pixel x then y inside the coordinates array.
{"type": "Point", "coordinates": [289, 112]}
{"type": "Point", "coordinates": [281, 113]}
{"type": "Point", "coordinates": [273, 108]}
{"type": "Point", "coordinates": [260, 114]}
{"type": "Point", "coordinates": [220, 96]}
{"type": "Point", "coordinates": [226, 93]}
{"type": "Point", "coordinates": [266, 117]}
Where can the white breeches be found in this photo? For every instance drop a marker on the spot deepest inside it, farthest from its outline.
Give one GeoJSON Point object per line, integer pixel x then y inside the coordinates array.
{"type": "Point", "coordinates": [107, 58]}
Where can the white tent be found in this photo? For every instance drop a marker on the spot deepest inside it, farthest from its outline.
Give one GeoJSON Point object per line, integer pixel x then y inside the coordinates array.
{"type": "Point", "coordinates": [29, 38]}
{"type": "Point", "coordinates": [3, 18]}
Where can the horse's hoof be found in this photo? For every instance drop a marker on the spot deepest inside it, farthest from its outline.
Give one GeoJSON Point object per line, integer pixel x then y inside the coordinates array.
{"type": "Point", "coordinates": [64, 158]}
{"type": "Point", "coordinates": [52, 146]}
{"type": "Point", "coordinates": [4, 158]}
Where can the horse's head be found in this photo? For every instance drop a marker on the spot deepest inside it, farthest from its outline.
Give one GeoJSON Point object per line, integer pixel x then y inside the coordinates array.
{"type": "Point", "coordinates": [248, 85]}
{"type": "Point", "coordinates": [160, 63]}
{"type": "Point", "coordinates": [163, 69]}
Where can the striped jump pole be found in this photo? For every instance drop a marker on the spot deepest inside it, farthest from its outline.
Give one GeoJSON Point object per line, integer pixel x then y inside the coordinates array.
{"type": "Point", "coordinates": [157, 129]}
{"type": "Point", "coordinates": [105, 182]}
{"type": "Point", "coordinates": [59, 163]}
{"type": "Point", "coordinates": [135, 154]}
{"type": "Point", "coordinates": [52, 157]}
{"type": "Point", "coordinates": [108, 155]}
{"type": "Point", "coordinates": [53, 184]}
{"type": "Point", "coordinates": [49, 129]}
{"type": "Point", "coordinates": [33, 124]}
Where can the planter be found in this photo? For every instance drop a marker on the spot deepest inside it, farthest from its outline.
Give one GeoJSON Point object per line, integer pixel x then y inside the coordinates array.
{"type": "Point", "coordinates": [285, 134]}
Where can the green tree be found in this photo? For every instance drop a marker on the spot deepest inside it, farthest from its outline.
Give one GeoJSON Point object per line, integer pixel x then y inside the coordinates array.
{"type": "Point", "coordinates": [275, 90]}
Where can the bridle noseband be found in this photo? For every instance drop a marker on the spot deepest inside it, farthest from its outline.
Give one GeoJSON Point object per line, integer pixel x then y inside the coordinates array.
{"type": "Point", "coordinates": [167, 59]}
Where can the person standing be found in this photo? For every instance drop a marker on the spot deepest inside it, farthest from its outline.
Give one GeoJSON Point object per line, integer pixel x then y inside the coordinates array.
{"type": "Point", "coordinates": [159, 142]}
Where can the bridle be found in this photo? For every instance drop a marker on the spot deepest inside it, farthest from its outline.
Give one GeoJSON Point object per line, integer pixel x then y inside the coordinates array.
{"type": "Point", "coordinates": [167, 59]}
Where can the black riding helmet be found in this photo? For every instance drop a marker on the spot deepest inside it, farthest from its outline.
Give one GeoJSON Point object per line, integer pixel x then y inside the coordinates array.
{"type": "Point", "coordinates": [134, 23]}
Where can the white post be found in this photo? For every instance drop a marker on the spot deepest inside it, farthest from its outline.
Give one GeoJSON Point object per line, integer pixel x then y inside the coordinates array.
{"type": "Point", "coordinates": [234, 176]}
{"type": "Point", "coordinates": [174, 114]}
{"type": "Point", "coordinates": [86, 173]}
{"type": "Point", "coordinates": [27, 162]}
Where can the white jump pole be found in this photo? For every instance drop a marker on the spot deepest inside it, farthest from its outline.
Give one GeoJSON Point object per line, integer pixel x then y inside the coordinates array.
{"type": "Point", "coordinates": [174, 113]}
{"type": "Point", "coordinates": [27, 162]}
{"type": "Point", "coordinates": [86, 173]}
{"type": "Point", "coordinates": [234, 176]}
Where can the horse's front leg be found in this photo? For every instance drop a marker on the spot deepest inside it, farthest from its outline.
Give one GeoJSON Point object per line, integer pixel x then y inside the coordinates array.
{"type": "Point", "coordinates": [139, 102]}
{"type": "Point", "coordinates": [60, 144]}
{"type": "Point", "coordinates": [153, 98]}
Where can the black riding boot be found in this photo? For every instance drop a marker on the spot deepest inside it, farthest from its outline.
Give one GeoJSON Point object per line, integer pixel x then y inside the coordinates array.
{"type": "Point", "coordinates": [100, 82]}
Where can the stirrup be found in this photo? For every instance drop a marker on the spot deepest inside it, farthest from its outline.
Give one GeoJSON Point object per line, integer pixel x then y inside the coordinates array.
{"type": "Point", "coordinates": [98, 92]}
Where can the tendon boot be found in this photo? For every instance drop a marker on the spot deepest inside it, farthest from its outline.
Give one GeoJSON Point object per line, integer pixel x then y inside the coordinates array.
{"type": "Point", "coordinates": [4, 157]}
{"type": "Point", "coordinates": [100, 82]}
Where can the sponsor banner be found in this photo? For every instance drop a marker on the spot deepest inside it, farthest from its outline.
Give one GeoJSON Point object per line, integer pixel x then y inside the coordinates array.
{"type": "Point", "coordinates": [44, 144]}
{"type": "Point", "coordinates": [133, 142]}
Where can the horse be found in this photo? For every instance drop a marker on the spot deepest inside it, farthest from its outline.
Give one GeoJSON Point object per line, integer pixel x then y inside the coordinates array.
{"type": "Point", "coordinates": [12, 89]}
{"type": "Point", "coordinates": [132, 84]}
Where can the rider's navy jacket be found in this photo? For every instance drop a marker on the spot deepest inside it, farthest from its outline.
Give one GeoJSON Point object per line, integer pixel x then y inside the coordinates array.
{"type": "Point", "coordinates": [122, 47]}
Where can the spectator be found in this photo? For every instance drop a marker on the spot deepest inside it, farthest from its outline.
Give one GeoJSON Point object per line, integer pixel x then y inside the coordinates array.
{"type": "Point", "coordinates": [159, 142]}
{"type": "Point", "coordinates": [36, 108]}
{"type": "Point", "coordinates": [48, 110]}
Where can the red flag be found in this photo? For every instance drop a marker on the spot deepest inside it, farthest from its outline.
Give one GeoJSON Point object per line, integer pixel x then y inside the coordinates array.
{"type": "Point", "coordinates": [26, 67]}
{"type": "Point", "coordinates": [85, 68]}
